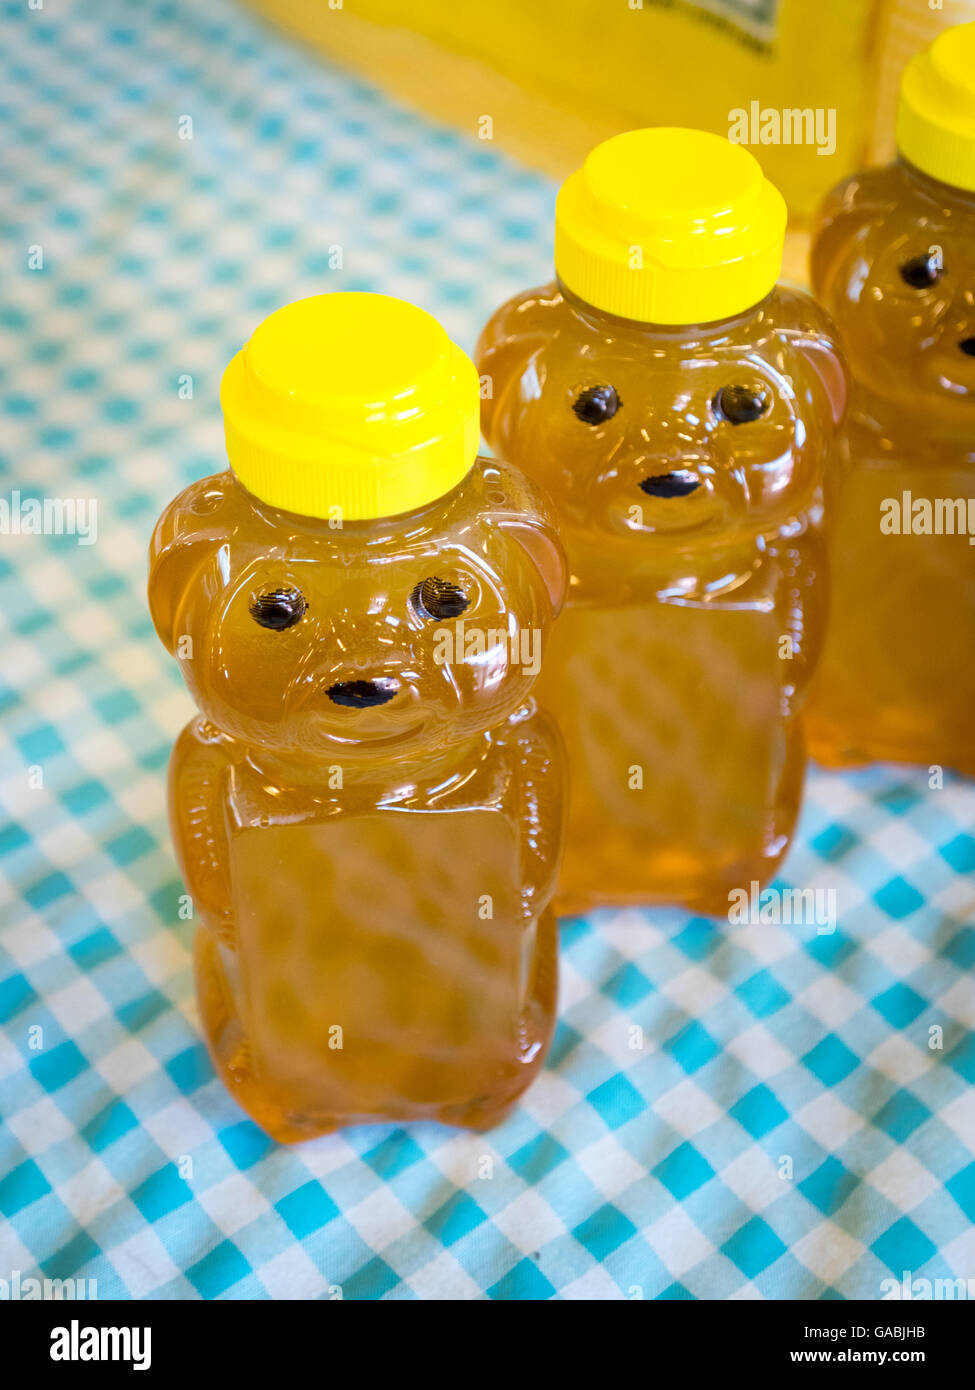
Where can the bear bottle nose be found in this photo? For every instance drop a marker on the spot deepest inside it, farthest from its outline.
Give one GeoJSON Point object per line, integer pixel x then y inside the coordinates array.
{"type": "Point", "coordinates": [676, 484]}
{"type": "Point", "coordinates": [363, 694]}
{"type": "Point", "coordinates": [967, 346]}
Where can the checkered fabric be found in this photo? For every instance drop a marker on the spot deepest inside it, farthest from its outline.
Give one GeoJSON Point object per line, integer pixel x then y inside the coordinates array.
{"type": "Point", "coordinates": [727, 1112]}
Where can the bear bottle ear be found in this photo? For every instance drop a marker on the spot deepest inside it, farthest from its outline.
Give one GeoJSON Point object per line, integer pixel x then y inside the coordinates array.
{"type": "Point", "coordinates": [827, 360]}
{"type": "Point", "coordinates": [842, 226]}
{"type": "Point", "coordinates": [842, 220]}
{"type": "Point", "coordinates": [508, 340]}
{"type": "Point", "coordinates": [521, 511]}
{"type": "Point", "coordinates": [812, 333]}
{"type": "Point", "coordinates": [540, 542]}
{"type": "Point", "coordinates": [186, 536]}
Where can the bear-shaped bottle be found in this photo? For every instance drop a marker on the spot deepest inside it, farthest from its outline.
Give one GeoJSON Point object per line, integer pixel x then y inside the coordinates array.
{"type": "Point", "coordinates": [367, 811]}
{"type": "Point", "coordinates": [893, 260]}
{"type": "Point", "coordinates": [678, 406]}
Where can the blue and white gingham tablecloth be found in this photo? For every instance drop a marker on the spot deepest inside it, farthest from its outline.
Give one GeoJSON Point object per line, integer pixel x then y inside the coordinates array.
{"type": "Point", "coordinates": [786, 1130]}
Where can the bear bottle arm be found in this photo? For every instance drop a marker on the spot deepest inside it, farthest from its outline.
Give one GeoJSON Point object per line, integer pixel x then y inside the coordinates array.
{"type": "Point", "coordinates": [197, 795]}
{"type": "Point", "coordinates": [539, 769]}
{"type": "Point", "coordinates": [801, 559]}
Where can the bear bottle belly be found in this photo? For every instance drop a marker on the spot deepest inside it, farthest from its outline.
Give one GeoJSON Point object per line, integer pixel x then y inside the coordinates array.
{"type": "Point", "coordinates": [686, 777]}
{"type": "Point", "coordinates": [384, 970]}
{"type": "Point", "coordinates": [902, 624]}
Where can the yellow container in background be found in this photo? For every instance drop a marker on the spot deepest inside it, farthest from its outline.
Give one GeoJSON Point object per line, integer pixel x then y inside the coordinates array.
{"type": "Point", "coordinates": [547, 80]}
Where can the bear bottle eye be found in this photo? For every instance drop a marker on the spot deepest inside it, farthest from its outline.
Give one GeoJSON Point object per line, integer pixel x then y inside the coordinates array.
{"type": "Point", "coordinates": [921, 272]}
{"type": "Point", "coordinates": [596, 404]}
{"type": "Point", "coordinates": [438, 599]}
{"type": "Point", "coordinates": [279, 608]}
{"type": "Point", "coordinates": [740, 405]}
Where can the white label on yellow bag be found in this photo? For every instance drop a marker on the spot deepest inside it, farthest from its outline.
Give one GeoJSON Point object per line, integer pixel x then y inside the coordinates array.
{"type": "Point", "coordinates": [753, 19]}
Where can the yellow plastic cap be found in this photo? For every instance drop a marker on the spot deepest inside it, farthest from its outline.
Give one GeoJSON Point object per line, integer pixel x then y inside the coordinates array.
{"type": "Point", "coordinates": [351, 406]}
{"type": "Point", "coordinates": [669, 226]}
{"type": "Point", "coordinates": [935, 128]}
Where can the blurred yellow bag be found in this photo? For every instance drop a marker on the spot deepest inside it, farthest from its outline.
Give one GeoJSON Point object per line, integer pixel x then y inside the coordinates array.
{"type": "Point", "coordinates": [806, 83]}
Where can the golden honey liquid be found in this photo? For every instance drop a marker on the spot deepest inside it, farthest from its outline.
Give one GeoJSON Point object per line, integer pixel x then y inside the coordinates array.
{"type": "Point", "coordinates": [372, 883]}
{"type": "Point", "coordinates": [679, 667]}
{"type": "Point", "coordinates": [897, 679]}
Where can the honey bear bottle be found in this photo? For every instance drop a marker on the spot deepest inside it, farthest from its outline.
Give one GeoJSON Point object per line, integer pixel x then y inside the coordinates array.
{"type": "Point", "coordinates": [893, 259]}
{"type": "Point", "coordinates": [367, 811]}
{"type": "Point", "coordinates": [678, 407]}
